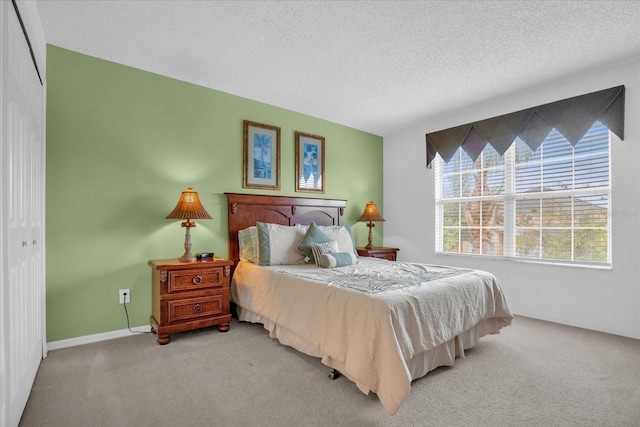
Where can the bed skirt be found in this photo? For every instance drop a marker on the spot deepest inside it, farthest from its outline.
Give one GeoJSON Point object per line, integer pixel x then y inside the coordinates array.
{"type": "Point", "coordinates": [418, 366]}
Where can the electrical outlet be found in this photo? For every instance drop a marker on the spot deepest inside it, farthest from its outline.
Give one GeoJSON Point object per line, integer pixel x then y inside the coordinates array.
{"type": "Point", "coordinates": [125, 296]}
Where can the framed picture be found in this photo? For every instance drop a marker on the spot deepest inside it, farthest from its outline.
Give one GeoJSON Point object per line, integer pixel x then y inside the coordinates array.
{"type": "Point", "coordinates": [309, 163]}
{"type": "Point", "coordinates": [261, 156]}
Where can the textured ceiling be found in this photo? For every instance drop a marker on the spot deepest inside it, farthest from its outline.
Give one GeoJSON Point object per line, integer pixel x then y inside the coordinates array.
{"type": "Point", "coordinates": [376, 66]}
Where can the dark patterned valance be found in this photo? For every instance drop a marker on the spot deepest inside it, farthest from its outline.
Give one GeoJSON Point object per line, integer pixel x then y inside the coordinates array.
{"type": "Point", "coordinates": [572, 117]}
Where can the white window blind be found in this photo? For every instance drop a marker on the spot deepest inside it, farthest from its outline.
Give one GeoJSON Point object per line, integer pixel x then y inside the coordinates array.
{"type": "Point", "coordinates": [551, 204]}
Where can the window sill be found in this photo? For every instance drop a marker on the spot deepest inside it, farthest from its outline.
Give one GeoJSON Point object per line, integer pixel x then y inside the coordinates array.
{"type": "Point", "coordinates": [528, 261]}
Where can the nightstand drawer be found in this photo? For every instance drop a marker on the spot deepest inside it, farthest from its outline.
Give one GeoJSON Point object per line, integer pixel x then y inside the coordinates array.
{"type": "Point", "coordinates": [190, 280]}
{"type": "Point", "coordinates": [380, 252]}
{"type": "Point", "coordinates": [194, 308]}
{"type": "Point", "coordinates": [389, 256]}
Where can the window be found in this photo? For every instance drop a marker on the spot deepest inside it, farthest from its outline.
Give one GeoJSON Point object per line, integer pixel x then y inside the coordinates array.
{"type": "Point", "coordinates": [551, 204]}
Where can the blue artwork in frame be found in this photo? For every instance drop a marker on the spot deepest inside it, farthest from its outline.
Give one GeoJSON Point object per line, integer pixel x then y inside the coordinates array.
{"type": "Point", "coordinates": [309, 163]}
{"type": "Point", "coordinates": [261, 156]}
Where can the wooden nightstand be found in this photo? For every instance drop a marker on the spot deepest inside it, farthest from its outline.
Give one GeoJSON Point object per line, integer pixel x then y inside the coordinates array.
{"type": "Point", "coordinates": [189, 295]}
{"type": "Point", "coordinates": [379, 252]}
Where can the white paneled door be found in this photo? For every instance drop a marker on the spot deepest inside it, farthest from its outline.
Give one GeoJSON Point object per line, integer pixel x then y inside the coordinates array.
{"type": "Point", "coordinates": [21, 219]}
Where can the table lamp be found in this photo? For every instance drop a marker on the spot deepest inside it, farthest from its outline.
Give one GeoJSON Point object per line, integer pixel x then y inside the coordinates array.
{"type": "Point", "coordinates": [188, 207]}
{"type": "Point", "coordinates": [370, 214]}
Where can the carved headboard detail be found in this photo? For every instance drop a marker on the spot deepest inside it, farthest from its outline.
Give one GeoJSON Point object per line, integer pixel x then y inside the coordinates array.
{"type": "Point", "coordinates": [247, 209]}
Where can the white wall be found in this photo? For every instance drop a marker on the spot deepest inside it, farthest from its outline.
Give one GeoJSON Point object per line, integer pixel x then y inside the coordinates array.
{"type": "Point", "coordinates": [603, 300]}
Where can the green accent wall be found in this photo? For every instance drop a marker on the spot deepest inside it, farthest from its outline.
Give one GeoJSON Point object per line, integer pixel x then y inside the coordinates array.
{"type": "Point", "coordinates": [122, 144]}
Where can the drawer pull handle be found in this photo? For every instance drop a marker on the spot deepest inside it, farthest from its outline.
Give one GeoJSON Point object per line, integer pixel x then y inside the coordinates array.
{"type": "Point", "coordinates": [197, 308]}
{"type": "Point", "coordinates": [197, 280]}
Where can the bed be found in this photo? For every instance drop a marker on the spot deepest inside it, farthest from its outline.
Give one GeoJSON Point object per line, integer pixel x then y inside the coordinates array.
{"type": "Point", "coordinates": [380, 323]}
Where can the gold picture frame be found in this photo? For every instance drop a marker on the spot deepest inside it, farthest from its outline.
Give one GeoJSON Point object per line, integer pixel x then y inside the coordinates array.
{"type": "Point", "coordinates": [310, 177]}
{"type": "Point", "coordinates": [261, 156]}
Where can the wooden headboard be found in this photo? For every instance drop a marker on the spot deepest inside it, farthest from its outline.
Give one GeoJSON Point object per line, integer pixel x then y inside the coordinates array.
{"type": "Point", "coordinates": [245, 210]}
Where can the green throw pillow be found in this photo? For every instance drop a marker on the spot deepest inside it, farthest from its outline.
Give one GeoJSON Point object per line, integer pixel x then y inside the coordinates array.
{"type": "Point", "coordinates": [313, 235]}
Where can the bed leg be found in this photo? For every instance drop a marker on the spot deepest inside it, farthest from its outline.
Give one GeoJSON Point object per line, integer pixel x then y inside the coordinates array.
{"type": "Point", "coordinates": [335, 374]}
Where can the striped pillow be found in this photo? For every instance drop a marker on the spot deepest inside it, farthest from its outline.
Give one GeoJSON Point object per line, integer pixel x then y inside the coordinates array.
{"type": "Point", "coordinates": [319, 249]}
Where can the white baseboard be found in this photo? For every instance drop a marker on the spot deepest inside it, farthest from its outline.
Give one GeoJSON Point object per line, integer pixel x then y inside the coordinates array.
{"type": "Point", "coordinates": [88, 339]}
{"type": "Point", "coordinates": [582, 325]}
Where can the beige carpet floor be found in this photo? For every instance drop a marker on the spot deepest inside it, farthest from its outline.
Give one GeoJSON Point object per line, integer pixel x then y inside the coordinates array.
{"type": "Point", "coordinates": [533, 374]}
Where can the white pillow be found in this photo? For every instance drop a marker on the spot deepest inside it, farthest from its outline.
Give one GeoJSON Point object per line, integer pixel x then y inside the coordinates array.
{"type": "Point", "coordinates": [248, 242]}
{"type": "Point", "coordinates": [277, 244]}
{"type": "Point", "coordinates": [342, 234]}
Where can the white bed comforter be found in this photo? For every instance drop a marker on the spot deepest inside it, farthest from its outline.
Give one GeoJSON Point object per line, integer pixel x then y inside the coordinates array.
{"type": "Point", "coordinates": [369, 335]}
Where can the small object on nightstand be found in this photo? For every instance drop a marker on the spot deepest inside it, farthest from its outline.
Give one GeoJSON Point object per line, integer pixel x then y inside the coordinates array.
{"type": "Point", "coordinates": [189, 295]}
{"type": "Point", "coordinates": [204, 255]}
{"type": "Point", "coordinates": [379, 252]}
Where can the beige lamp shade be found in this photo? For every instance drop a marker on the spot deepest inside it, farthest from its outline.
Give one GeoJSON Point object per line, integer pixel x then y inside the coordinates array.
{"type": "Point", "coordinates": [371, 213]}
{"type": "Point", "coordinates": [189, 207]}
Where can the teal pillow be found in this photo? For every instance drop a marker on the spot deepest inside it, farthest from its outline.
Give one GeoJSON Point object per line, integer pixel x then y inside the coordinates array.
{"type": "Point", "coordinates": [336, 259]}
{"type": "Point", "coordinates": [313, 235]}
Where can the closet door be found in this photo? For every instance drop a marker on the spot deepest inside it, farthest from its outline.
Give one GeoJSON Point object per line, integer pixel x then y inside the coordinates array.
{"type": "Point", "coordinates": [22, 186]}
